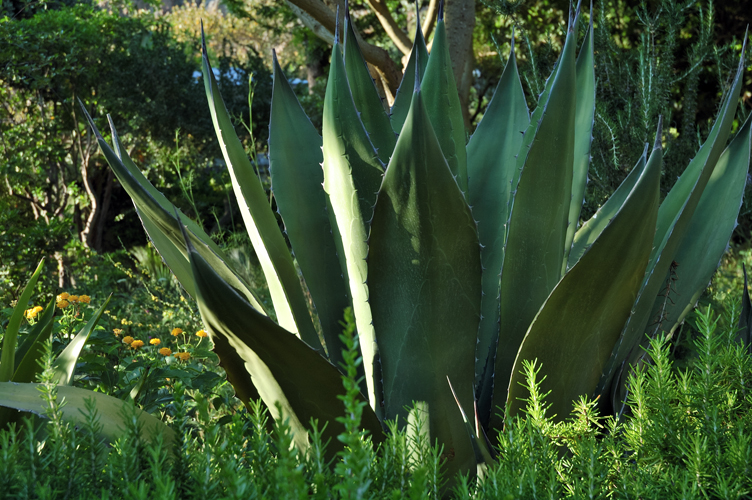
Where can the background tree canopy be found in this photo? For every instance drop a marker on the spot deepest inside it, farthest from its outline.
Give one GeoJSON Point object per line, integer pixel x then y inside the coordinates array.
{"type": "Point", "coordinates": [138, 62]}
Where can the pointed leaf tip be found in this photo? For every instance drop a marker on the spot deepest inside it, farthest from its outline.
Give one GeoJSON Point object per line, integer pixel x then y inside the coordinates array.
{"type": "Point", "coordinates": [441, 10]}
{"type": "Point", "coordinates": [417, 14]}
{"type": "Point", "coordinates": [658, 133]}
{"type": "Point", "coordinates": [347, 11]}
{"type": "Point", "coordinates": [336, 27]}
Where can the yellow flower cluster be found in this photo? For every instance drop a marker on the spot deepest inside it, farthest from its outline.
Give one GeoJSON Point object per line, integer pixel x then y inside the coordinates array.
{"type": "Point", "coordinates": [32, 313]}
{"type": "Point", "coordinates": [176, 331]}
{"type": "Point", "coordinates": [65, 299]}
{"type": "Point", "coordinates": [127, 339]}
{"type": "Point", "coordinates": [136, 344]}
{"type": "Point", "coordinates": [155, 341]}
{"type": "Point", "coordinates": [201, 333]}
{"type": "Point", "coordinates": [165, 351]}
{"type": "Point", "coordinates": [117, 331]}
{"type": "Point", "coordinates": [183, 356]}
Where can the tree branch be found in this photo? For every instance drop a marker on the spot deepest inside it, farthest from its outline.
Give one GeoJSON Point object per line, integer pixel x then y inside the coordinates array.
{"type": "Point", "coordinates": [322, 23]}
{"type": "Point", "coordinates": [429, 23]}
{"type": "Point", "coordinates": [400, 39]}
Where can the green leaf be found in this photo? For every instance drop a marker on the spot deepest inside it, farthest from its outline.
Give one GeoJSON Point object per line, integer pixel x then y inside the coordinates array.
{"type": "Point", "coordinates": [419, 56]}
{"type": "Point", "coordinates": [707, 235]}
{"type": "Point", "coordinates": [367, 100]}
{"type": "Point", "coordinates": [538, 220]}
{"type": "Point", "coordinates": [491, 164]}
{"type": "Point", "coordinates": [674, 217]}
{"type": "Point", "coordinates": [744, 335]}
{"type": "Point", "coordinates": [7, 357]}
{"type": "Point", "coordinates": [583, 135]}
{"type": "Point", "coordinates": [424, 279]}
{"type": "Point", "coordinates": [32, 349]}
{"type": "Point", "coordinates": [442, 103]}
{"type": "Point", "coordinates": [65, 364]}
{"type": "Point", "coordinates": [352, 177]}
{"type": "Point", "coordinates": [268, 242]}
{"type": "Point", "coordinates": [157, 215]}
{"type": "Point", "coordinates": [26, 397]}
{"type": "Point", "coordinates": [257, 354]}
{"type": "Point", "coordinates": [572, 346]}
{"type": "Point", "coordinates": [295, 159]}
{"type": "Point", "coordinates": [590, 230]}
{"type": "Point", "coordinates": [41, 329]}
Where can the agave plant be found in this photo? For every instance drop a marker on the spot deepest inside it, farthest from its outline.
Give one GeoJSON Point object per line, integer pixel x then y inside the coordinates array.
{"type": "Point", "coordinates": [461, 259]}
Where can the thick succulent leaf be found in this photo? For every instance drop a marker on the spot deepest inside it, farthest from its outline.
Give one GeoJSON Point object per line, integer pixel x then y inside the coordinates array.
{"type": "Point", "coordinates": [419, 56]}
{"type": "Point", "coordinates": [295, 164]}
{"type": "Point", "coordinates": [260, 222]}
{"type": "Point", "coordinates": [707, 236]}
{"type": "Point", "coordinates": [257, 354]}
{"type": "Point", "coordinates": [442, 103]}
{"type": "Point", "coordinates": [65, 364]}
{"type": "Point", "coordinates": [538, 220]}
{"type": "Point", "coordinates": [26, 397]}
{"type": "Point", "coordinates": [576, 329]}
{"type": "Point", "coordinates": [583, 135]}
{"type": "Point", "coordinates": [480, 448]}
{"type": "Point", "coordinates": [591, 229]}
{"type": "Point", "coordinates": [10, 338]}
{"type": "Point", "coordinates": [674, 217]}
{"type": "Point", "coordinates": [366, 97]}
{"type": "Point", "coordinates": [492, 165]}
{"type": "Point", "coordinates": [424, 278]}
{"type": "Point", "coordinates": [158, 217]}
{"type": "Point", "coordinates": [744, 335]}
{"type": "Point", "coordinates": [30, 353]}
{"type": "Point", "coordinates": [352, 177]}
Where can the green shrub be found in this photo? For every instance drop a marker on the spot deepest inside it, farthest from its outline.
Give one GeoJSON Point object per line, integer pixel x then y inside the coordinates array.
{"type": "Point", "coordinates": [686, 435]}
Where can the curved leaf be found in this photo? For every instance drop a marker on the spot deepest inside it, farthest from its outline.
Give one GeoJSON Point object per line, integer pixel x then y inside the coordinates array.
{"type": "Point", "coordinates": [425, 285]}
{"type": "Point", "coordinates": [442, 103]}
{"type": "Point", "coordinates": [158, 217]}
{"type": "Point", "coordinates": [295, 165]}
{"type": "Point", "coordinates": [32, 349]}
{"type": "Point", "coordinates": [401, 106]}
{"type": "Point", "coordinates": [583, 135]}
{"type": "Point", "coordinates": [268, 242]}
{"type": "Point", "coordinates": [591, 229]}
{"type": "Point", "coordinates": [492, 165]}
{"type": "Point", "coordinates": [576, 329]}
{"type": "Point", "coordinates": [538, 220]}
{"type": "Point", "coordinates": [257, 354]}
{"type": "Point", "coordinates": [26, 397]}
{"type": "Point", "coordinates": [366, 98]}
{"type": "Point", "coordinates": [7, 357]}
{"type": "Point", "coordinates": [707, 235]}
{"type": "Point", "coordinates": [65, 364]}
{"type": "Point", "coordinates": [352, 177]}
{"type": "Point", "coordinates": [674, 217]}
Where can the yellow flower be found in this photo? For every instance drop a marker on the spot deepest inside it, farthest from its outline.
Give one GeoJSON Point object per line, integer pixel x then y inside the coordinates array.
{"type": "Point", "coordinates": [85, 299]}
{"type": "Point", "coordinates": [154, 298]}
{"type": "Point", "coordinates": [127, 340]}
{"type": "Point", "coordinates": [72, 298]}
{"type": "Point", "coordinates": [201, 333]}
{"type": "Point", "coordinates": [165, 351]}
{"type": "Point", "coordinates": [136, 344]}
{"type": "Point", "coordinates": [63, 304]}
{"type": "Point", "coordinates": [38, 309]}
{"type": "Point", "coordinates": [30, 313]}
{"type": "Point", "coordinates": [176, 331]}
{"type": "Point", "coordinates": [117, 331]}
{"type": "Point", "coordinates": [183, 356]}
{"type": "Point", "coordinates": [62, 296]}
{"type": "Point", "coordinates": [155, 341]}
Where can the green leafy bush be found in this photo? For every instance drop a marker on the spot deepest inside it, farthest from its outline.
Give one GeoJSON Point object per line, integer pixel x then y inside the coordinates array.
{"type": "Point", "coordinates": [686, 435]}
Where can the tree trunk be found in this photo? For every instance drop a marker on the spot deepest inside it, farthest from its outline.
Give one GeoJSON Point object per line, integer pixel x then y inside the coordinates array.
{"type": "Point", "coordinates": [459, 16]}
